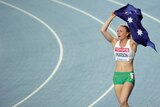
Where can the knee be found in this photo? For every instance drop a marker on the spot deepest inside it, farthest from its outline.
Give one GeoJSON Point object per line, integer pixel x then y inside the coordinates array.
{"type": "Point", "coordinates": [123, 103]}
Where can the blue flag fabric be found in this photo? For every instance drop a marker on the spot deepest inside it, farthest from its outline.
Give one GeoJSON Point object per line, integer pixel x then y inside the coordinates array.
{"type": "Point", "coordinates": [133, 17]}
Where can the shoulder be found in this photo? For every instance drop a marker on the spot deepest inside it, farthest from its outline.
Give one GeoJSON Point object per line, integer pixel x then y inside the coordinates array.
{"type": "Point", "coordinates": [133, 45]}
{"type": "Point", "coordinates": [132, 42]}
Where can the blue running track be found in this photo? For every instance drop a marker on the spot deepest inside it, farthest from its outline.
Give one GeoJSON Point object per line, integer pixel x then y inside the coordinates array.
{"type": "Point", "coordinates": [52, 54]}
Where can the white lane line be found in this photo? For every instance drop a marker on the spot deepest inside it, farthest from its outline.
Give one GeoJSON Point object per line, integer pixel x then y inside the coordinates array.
{"type": "Point", "coordinates": [60, 46]}
{"type": "Point", "coordinates": [103, 95]}
{"type": "Point", "coordinates": [83, 12]}
{"type": "Point", "coordinates": [118, 3]}
{"type": "Point", "coordinates": [93, 17]}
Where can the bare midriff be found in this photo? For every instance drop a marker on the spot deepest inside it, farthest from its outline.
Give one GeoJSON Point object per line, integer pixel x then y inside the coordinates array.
{"type": "Point", "coordinates": [124, 66]}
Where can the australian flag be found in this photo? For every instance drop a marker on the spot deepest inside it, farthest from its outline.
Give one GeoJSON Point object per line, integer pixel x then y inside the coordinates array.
{"type": "Point", "coordinates": [133, 17]}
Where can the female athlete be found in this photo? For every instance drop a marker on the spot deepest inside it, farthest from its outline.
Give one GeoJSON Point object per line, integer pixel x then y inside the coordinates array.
{"type": "Point", "coordinates": [124, 50]}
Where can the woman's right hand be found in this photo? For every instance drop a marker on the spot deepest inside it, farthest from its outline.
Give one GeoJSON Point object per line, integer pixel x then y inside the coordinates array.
{"type": "Point", "coordinates": [113, 15]}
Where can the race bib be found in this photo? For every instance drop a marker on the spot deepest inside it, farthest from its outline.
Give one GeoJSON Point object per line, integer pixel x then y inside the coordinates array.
{"type": "Point", "coordinates": [132, 76]}
{"type": "Point", "coordinates": [122, 54]}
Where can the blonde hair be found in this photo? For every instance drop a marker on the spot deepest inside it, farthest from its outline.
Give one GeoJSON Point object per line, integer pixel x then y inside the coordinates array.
{"type": "Point", "coordinates": [127, 30]}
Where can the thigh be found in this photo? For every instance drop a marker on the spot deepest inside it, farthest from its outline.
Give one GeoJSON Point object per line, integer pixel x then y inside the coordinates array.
{"type": "Point", "coordinates": [118, 90]}
{"type": "Point", "coordinates": [126, 91]}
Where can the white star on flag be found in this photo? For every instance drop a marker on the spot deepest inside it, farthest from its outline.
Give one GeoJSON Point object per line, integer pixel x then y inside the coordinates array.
{"type": "Point", "coordinates": [130, 20]}
{"type": "Point", "coordinates": [126, 13]}
{"type": "Point", "coordinates": [139, 32]}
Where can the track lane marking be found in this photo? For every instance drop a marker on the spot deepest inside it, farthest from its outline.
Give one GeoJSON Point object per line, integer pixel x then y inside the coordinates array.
{"type": "Point", "coordinates": [83, 12]}
{"type": "Point", "coordinates": [60, 47]}
{"type": "Point", "coordinates": [98, 20]}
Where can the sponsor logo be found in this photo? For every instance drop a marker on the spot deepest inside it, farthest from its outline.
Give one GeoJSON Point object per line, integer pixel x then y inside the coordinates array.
{"type": "Point", "coordinates": [121, 49]}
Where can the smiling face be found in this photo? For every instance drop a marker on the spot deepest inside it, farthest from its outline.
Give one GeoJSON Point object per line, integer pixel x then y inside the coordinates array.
{"type": "Point", "coordinates": [123, 32]}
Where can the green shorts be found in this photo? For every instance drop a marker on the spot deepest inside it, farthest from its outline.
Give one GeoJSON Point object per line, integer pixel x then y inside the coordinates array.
{"type": "Point", "coordinates": [123, 77]}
